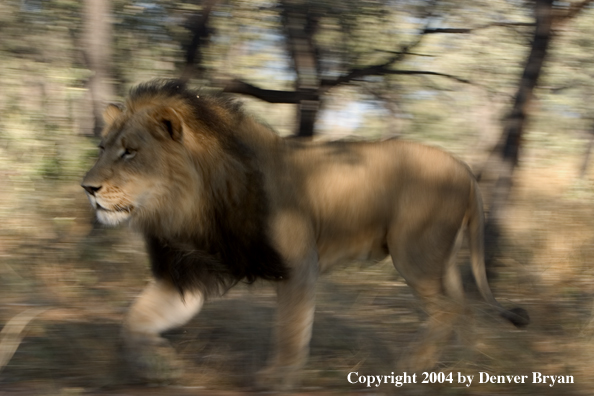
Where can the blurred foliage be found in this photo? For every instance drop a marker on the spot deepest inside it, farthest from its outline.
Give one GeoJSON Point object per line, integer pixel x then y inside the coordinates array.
{"type": "Point", "coordinates": [51, 254]}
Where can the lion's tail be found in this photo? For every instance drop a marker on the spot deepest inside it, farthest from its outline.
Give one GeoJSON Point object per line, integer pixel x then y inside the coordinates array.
{"type": "Point", "coordinates": [518, 316]}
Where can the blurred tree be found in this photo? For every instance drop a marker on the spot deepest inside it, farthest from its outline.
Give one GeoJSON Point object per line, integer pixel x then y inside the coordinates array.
{"type": "Point", "coordinates": [507, 152]}
{"type": "Point", "coordinates": [301, 24]}
{"type": "Point", "coordinates": [97, 48]}
{"type": "Point", "coordinates": [587, 153]}
{"type": "Point", "coordinates": [569, 84]}
{"type": "Point", "coordinates": [328, 44]}
{"type": "Point", "coordinates": [441, 70]}
{"type": "Point", "coordinates": [508, 149]}
{"type": "Point", "coordinates": [198, 25]}
{"type": "Point", "coordinates": [333, 43]}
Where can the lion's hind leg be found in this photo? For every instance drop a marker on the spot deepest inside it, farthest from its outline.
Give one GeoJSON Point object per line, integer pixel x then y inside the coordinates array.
{"type": "Point", "coordinates": [159, 307]}
{"type": "Point", "coordinates": [430, 269]}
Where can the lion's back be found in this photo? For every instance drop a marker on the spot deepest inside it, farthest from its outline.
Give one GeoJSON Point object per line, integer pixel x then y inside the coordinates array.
{"type": "Point", "coordinates": [352, 192]}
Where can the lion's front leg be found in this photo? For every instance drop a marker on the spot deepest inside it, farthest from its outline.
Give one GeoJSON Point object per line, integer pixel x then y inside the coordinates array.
{"type": "Point", "coordinates": [159, 307]}
{"type": "Point", "coordinates": [292, 333]}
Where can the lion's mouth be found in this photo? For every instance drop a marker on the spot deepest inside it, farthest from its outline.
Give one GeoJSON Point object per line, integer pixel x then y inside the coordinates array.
{"type": "Point", "coordinates": [117, 208]}
{"type": "Point", "coordinates": [113, 216]}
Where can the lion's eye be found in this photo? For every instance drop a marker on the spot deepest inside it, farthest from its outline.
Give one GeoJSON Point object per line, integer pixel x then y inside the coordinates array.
{"type": "Point", "coordinates": [128, 154]}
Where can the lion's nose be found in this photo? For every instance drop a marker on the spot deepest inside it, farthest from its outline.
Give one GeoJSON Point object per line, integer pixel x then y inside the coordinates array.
{"type": "Point", "coordinates": [91, 189]}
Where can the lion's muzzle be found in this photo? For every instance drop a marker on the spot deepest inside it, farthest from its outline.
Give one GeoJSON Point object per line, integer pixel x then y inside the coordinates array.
{"type": "Point", "coordinates": [106, 214]}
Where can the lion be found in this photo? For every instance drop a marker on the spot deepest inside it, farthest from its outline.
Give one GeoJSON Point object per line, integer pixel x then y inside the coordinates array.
{"type": "Point", "coordinates": [220, 198]}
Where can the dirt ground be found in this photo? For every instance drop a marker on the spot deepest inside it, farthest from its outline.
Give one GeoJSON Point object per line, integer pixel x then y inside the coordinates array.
{"type": "Point", "coordinates": [71, 286]}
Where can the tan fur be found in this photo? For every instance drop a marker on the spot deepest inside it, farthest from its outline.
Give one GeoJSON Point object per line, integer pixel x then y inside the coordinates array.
{"type": "Point", "coordinates": [324, 203]}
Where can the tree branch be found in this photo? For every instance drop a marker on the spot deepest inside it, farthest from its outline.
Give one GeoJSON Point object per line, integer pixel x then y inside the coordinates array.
{"type": "Point", "coordinates": [409, 53]}
{"type": "Point", "coordinates": [380, 70]}
{"type": "Point", "coordinates": [295, 97]}
{"type": "Point", "coordinates": [375, 70]}
{"type": "Point", "coordinates": [268, 95]}
{"type": "Point", "coordinates": [470, 30]}
{"type": "Point", "coordinates": [574, 10]}
{"type": "Point", "coordinates": [430, 73]}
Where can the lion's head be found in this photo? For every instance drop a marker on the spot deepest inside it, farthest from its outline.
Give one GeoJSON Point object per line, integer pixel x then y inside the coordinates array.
{"type": "Point", "coordinates": [156, 153]}
{"type": "Point", "coordinates": [142, 164]}
{"type": "Point", "coordinates": [178, 166]}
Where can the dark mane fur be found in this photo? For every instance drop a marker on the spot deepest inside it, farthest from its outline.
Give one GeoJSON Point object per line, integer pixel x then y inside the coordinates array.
{"type": "Point", "coordinates": [236, 246]}
{"type": "Point", "coordinates": [201, 104]}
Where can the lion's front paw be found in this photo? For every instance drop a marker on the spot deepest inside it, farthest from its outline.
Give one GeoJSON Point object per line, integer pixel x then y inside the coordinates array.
{"type": "Point", "coordinates": [152, 359]}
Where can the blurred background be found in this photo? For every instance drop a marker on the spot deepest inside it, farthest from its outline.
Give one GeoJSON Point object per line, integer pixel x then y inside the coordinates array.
{"type": "Point", "coordinates": [504, 84]}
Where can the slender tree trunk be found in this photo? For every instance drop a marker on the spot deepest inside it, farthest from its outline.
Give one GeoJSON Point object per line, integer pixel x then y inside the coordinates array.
{"type": "Point", "coordinates": [587, 153]}
{"type": "Point", "coordinates": [300, 26]}
{"type": "Point", "coordinates": [97, 51]}
{"type": "Point", "coordinates": [515, 124]}
{"type": "Point", "coordinates": [201, 32]}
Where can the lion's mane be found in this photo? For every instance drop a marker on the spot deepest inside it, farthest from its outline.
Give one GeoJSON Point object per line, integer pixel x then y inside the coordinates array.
{"type": "Point", "coordinates": [227, 241]}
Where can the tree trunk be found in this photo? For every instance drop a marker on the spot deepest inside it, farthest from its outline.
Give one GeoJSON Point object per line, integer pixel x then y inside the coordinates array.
{"type": "Point", "coordinates": [515, 124]}
{"type": "Point", "coordinates": [300, 27]}
{"type": "Point", "coordinates": [587, 153]}
{"type": "Point", "coordinates": [198, 25]}
{"type": "Point", "coordinates": [97, 51]}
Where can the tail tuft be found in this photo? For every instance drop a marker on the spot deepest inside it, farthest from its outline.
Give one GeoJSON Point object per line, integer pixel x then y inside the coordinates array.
{"type": "Point", "coordinates": [518, 316]}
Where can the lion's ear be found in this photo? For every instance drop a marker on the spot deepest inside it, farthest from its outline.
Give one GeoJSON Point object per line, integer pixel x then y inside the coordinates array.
{"type": "Point", "coordinates": [171, 122]}
{"type": "Point", "coordinates": [111, 112]}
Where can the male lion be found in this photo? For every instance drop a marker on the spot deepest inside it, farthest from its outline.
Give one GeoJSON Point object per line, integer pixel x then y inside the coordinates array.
{"type": "Point", "coordinates": [220, 198]}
